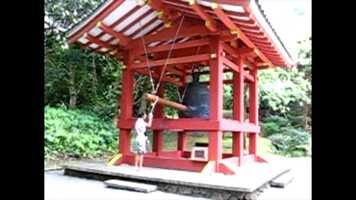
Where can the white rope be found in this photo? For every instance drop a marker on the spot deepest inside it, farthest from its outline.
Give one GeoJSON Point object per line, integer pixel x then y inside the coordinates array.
{"type": "Point", "coordinates": [169, 54]}
{"type": "Point", "coordinates": [154, 90]}
{"type": "Point", "coordinates": [147, 60]}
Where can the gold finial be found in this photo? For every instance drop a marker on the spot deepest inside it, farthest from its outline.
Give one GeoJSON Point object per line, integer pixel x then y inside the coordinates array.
{"type": "Point", "coordinates": [160, 14]}
{"type": "Point", "coordinates": [168, 24]}
{"type": "Point", "coordinates": [98, 24]}
{"type": "Point", "coordinates": [191, 2]}
{"type": "Point", "coordinates": [207, 23]}
{"type": "Point", "coordinates": [235, 32]}
{"type": "Point", "coordinates": [214, 5]}
{"type": "Point", "coordinates": [141, 2]}
{"type": "Point", "coordinates": [256, 51]}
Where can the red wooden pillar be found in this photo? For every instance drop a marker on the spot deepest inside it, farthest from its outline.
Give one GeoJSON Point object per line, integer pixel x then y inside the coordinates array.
{"type": "Point", "coordinates": [126, 103]}
{"type": "Point", "coordinates": [181, 141]}
{"type": "Point", "coordinates": [157, 144]}
{"type": "Point", "coordinates": [253, 111]}
{"type": "Point", "coordinates": [216, 101]}
{"type": "Point", "coordinates": [238, 110]}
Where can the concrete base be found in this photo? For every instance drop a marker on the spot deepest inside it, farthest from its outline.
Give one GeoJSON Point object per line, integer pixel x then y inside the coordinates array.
{"type": "Point", "coordinates": [248, 178]}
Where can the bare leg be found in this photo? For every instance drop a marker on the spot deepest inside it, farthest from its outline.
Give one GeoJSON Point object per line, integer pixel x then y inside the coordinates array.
{"type": "Point", "coordinates": [136, 160]}
{"type": "Point", "coordinates": [141, 161]}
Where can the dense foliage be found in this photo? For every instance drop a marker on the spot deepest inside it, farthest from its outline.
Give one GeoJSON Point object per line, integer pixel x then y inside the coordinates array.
{"type": "Point", "coordinates": [291, 142]}
{"type": "Point", "coordinates": [287, 138]}
{"type": "Point", "coordinates": [77, 133]}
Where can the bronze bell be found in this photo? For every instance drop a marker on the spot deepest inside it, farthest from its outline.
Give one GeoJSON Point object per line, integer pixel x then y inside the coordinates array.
{"type": "Point", "coordinates": [196, 98]}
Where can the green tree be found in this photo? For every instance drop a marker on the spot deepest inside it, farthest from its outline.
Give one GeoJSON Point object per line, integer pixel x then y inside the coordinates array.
{"type": "Point", "coordinates": [73, 76]}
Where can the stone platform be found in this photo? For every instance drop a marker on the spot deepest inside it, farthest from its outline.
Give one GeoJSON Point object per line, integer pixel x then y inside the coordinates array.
{"type": "Point", "coordinates": [248, 179]}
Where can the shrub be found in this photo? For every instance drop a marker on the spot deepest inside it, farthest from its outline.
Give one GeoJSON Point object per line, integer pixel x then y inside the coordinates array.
{"type": "Point", "coordinates": [291, 142]}
{"type": "Point", "coordinates": [77, 133]}
{"type": "Point", "coordinates": [273, 125]}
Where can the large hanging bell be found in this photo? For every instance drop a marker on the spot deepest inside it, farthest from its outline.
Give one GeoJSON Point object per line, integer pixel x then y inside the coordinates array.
{"type": "Point", "coordinates": [196, 98]}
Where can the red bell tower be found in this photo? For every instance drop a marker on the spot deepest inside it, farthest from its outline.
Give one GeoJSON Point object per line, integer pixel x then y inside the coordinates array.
{"type": "Point", "coordinates": [230, 36]}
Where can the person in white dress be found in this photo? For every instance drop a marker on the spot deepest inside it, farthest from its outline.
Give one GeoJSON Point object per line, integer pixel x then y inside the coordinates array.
{"type": "Point", "coordinates": [141, 139]}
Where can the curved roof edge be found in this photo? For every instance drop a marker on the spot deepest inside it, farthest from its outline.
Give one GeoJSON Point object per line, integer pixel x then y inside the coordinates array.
{"type": "Point", "coordinates": [291, 59]}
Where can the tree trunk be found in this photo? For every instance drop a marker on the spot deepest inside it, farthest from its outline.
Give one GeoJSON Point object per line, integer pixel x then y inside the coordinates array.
{"type": "Point", "coordinates": [72, 101]}
{"type": "Point", "coordinates": [72, 90]}
{"type": "Point", "coordinates": [94, 76]}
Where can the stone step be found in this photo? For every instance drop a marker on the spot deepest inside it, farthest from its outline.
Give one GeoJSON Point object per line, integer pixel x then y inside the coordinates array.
{"type": "Point", "coordinates": [282, 180]}
{"type": "Point", "coordinates": [128, 185]}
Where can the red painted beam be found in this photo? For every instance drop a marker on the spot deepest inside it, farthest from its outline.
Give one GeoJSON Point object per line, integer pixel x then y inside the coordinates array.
{"type": "Point", "coordinates": [256, 35]}
{"type": "Point", "coordinates": [261, 42]}
{"type": "Point", "coordinates": [168, 163]}
{"type": "Point", "coordinates": [230, 24]}
{"type": "Point", "coordinates": [165, 14]}
{"type": "Point", "coordinates": [235, 30]}
{"type": "Point", "coordinates": [236, 68]}
{"type": "Point", "coordinates": [73, 38]}
{"type": "Point", "coordinates": [164, 79]}
{"type": "Point", "coordinates": [121, 37]}
{"type": "Point", "coordinates": [242, 51]}
{"type": "Point", "coordinates": [167, 34]}
{"type": "Point", "coordinates": [251, 27]}
{"type": "Point", "coordinates": [194, 124]}
{"type": "Point", "coordinates": [248, 31]}
{"type": "Point", "coordinates": [233, 125]}
{"type": "Point", "coordinates": [179, 60]}
{"type": "Point", "coordinates": [189, 44]}
{"type": "Point", "coordinates": [267, 49]}
{"type": "Point", "coordinates": [209, 22]}
{"type": "Point", "coordinates": [174, 71]}
{"type": "Point", "coordinates": [98, 42]}
{"type": "Point", "coordinates": [230, 50]}
{"type": "Point", "coordinates": [190, 124]}
{"type": "Point", "coordinates": [88, 43]}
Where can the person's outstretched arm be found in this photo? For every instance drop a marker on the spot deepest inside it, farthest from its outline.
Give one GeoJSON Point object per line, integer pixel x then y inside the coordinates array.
{"type": "Point", "coordinates": [150, 117]}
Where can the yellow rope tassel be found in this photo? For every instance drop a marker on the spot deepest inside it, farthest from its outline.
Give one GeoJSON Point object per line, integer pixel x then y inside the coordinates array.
{"type": "Point", "coordinates": [114, 159]}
